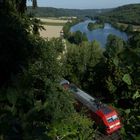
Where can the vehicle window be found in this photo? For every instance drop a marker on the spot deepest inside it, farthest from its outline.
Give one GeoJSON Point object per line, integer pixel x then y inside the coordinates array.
{"type": "Point", "coordinates": [110, 119]}
{"type": "Point", "coordinates": [113, 118]}
{"type": "Point", "coordinates": [73, 88]}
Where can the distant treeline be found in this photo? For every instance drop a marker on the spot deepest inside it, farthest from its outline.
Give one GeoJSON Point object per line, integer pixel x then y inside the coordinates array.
{"type": "Point", "coordinates": [129, 14]}
{"type": "Point", "coordinates": [59, 12]}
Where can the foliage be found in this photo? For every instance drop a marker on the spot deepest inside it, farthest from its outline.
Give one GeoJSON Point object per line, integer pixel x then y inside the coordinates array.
{"type": "Point", "coordinates": [18, 5]}
{"type": "Point", "coordinates": [129, 28]}
{"type": "Point", "coordinates": [122, 14]}
{"type": "Point", "coordinates": [80, 60]}
{"type": "Point", "coordinates": [77, 37]}
{"type": "Point", "coordinates": [112, 75]}
{"type": "Point", "coordinates": [115, 76]}
{"type": "Point", "coordinates": [114, 46]}
{"type": "Point", "coordinates": [120, 82]}
{"type": "Point", "coordinates": [32, 104]}
{"type": "Point", "coordinates": [14, 34]}
{"type": "Point", "coordinates": [67, 26]}
{"type": "Point", "coordinates": [91, 26]}
{"type": "Point", "coordinates": [66, 29]}
{"type": "Point", "coordinates": [61, 12]}
{"type": "Point", "coordinates": [134, 41]}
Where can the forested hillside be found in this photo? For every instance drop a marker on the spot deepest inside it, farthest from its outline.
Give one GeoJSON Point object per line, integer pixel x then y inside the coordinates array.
{"type": "Point", "coordinates": [126, 14]}
{"type": "Point", "coordinates": [32, 104]}
{"type": "Point", "coordinates": [111, 74]}
{"type": "Point", "coordinates": [58, 12]}
{"type": "Point", "coordinates": [120, 14]}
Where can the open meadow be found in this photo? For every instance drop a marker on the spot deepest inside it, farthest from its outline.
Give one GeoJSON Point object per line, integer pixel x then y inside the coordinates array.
{"type": "Point", "coordinates": [51, 31]}
{"type": "Point", "coordinates": [52, 27]}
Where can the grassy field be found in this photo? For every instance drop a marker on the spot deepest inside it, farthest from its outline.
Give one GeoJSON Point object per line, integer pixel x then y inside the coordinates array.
{"type": "Point", "coordinates": [53, 20]}
{"type": "Point", "coordinates": [53, 27]}
{"type": "Point", "coordinates": [51, 31]}
{"type": "Point", "coordinates": [53, 23]}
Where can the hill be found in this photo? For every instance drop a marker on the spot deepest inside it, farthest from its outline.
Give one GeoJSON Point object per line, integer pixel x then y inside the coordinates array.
{"type": "Point", "coordinates": [59, 12]}
{"type": "Point", "coordinates": [129, 14]}
{"type": "Point", "coordinates": [126, 14]}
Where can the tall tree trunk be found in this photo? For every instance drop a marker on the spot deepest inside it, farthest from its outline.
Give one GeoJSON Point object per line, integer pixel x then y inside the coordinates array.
{"type": "Point", "coordinates": [34, 3]}
{"type": "Point", "coordinates": [21, 6]}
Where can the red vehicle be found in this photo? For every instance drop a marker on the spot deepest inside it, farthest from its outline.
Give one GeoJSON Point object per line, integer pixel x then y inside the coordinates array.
{"type": "Point", "coordinates": [104, 116]}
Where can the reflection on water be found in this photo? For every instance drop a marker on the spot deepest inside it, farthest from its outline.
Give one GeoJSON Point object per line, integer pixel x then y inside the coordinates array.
{"type": "Point", "coordinates": [98, 34]}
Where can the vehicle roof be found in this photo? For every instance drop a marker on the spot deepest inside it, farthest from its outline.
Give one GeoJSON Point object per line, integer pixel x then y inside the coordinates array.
{"type": "Point", "coordinates": [64, 81]}
{"type": "Point", "coordinates": [106, 110]}
{"type": "Point", "coordinates": [92, 103]}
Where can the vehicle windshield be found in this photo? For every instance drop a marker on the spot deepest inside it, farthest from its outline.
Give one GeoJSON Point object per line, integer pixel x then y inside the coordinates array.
{"type": "Point", "coordinates": [73, 88]}
{"type": "Point", "coordinates": [112, 119]}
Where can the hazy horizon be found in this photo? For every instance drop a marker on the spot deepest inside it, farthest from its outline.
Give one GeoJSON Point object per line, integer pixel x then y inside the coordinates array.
{"type": "Point", "coordinates": [81, 4]}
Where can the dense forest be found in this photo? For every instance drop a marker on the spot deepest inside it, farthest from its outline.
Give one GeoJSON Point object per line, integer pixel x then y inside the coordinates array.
{"type": "Point", "coordinates": [103, 14]}
{"type": "Point", "coordinates": [111, 74]}
{"type": "Point", "coordinates": [60, 12]}
{"type": "Point", "coordinates": [91, 26]}
{"type": "Point", "coordinates": [33, 106]}
{"type": "Point", "coordinates": [129, 14]}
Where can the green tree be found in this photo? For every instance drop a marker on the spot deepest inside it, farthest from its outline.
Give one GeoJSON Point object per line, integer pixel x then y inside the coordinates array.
{"type": "Point", "coordinates": [129, 28]}
{"type": "Point", "coordinates": [32, 104]}
{"type": "Point", "coordinates": [20, 5]}
{"type": "Point", "coordinates": [114, 46]}
{"type": "Point", "coordinates": [66, 30]}
{"type": "Point", "coordinates": [134, 41]}
{"type": "Point", "coordinates": [79, 62]}
{"type": "Point", "coordinates": [78, 37]}
{"type": "Point", "coordinates": [119, 73]}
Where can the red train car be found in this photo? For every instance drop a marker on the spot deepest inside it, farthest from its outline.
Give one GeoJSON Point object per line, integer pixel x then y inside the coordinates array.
{"type": "Point", "coordinates": [104, 116]}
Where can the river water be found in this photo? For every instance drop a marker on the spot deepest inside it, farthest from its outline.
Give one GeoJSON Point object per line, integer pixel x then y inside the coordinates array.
{"type": "Point", "coordinates": [98, 34]}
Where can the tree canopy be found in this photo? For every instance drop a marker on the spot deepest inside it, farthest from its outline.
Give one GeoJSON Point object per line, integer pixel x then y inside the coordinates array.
{"type": "Point", "coordinates": [111, 75]}
{"type": "Point", "coordinates": [32, 103]}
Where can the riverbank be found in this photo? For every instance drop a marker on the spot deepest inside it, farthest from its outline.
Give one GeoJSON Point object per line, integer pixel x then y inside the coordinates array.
{"type": "Point", "coordinates": [128, 28]}
{"type": "Point", "coordinates": [100, 34]}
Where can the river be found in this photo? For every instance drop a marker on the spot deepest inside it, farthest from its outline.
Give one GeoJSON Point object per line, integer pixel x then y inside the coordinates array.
{"type": "Point", "coordinates": [98, 34]}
